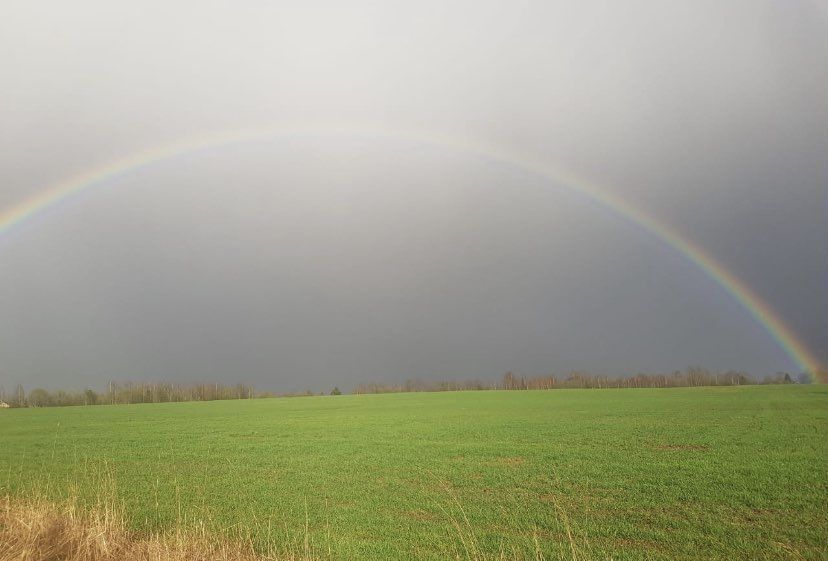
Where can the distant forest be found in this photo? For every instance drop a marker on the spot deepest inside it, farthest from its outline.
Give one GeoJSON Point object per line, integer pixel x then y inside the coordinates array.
{"type": "Point", "coordinates": [694, 376]}
{"type": "Point", "coordinates": [164, 392]}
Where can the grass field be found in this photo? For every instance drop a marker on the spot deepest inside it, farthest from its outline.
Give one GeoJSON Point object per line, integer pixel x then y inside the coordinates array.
{"type": "Point", "coordinates": [686, 473]}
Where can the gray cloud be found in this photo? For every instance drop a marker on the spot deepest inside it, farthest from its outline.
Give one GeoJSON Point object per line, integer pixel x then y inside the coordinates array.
{"type": "Point", "coordinates": [326, 258]}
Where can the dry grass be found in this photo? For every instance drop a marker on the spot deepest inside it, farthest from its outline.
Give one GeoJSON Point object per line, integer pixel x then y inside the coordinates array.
{"type": "Point", "coordinates": [34, 529]}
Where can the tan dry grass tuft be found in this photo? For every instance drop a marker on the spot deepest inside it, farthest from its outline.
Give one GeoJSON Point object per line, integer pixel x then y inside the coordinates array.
{"type": "Point", "coordinates": [34, 529]}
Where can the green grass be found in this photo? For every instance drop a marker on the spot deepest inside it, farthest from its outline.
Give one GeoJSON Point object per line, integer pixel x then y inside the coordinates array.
{"type": "Point", "coordinates": [687, 473]}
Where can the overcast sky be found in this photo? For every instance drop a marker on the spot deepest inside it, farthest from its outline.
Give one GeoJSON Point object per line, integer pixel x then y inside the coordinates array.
{"type": "Point", "coordinates": [304, 261]}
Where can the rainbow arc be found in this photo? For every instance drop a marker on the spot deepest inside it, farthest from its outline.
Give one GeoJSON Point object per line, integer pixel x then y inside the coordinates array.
{"type": "Point", "coordinates": [59, 192]}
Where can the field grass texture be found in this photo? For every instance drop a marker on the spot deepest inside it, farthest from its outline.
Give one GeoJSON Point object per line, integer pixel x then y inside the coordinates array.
{"type": "Point", "coordinates": [684, 473]}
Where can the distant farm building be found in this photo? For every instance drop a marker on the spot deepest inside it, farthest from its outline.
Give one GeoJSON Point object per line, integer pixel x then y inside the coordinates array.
{"type": "Point", "coordinates": [4, 405]}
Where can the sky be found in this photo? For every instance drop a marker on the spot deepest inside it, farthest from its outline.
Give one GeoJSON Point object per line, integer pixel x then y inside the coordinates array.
{"type": "Point", "coordinates": [377, 232]}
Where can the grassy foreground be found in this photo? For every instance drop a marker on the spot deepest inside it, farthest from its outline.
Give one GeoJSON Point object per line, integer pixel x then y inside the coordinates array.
{"type": "Point", "coordinates": [685, 473]}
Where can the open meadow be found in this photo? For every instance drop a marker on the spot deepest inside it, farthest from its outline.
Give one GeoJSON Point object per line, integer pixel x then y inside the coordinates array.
{"type": "Point", "coordinates": [684, 473]}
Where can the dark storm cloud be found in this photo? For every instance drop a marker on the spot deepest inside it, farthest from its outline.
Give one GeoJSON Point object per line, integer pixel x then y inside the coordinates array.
{"type": "Point", "coordinates": [305, 262]}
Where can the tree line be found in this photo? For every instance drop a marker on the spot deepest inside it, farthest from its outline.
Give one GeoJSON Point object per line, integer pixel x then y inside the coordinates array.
{"type": "Point", "coordinates": [165, 392]}
{"type": "Point", "coordinates": [693, 376]}
{"type": "Point", "coordinates": [126, 392]}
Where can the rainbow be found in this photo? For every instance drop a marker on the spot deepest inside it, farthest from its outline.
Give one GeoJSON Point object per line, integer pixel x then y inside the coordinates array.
{"type": "Point", "coordinates": [55, 194]}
